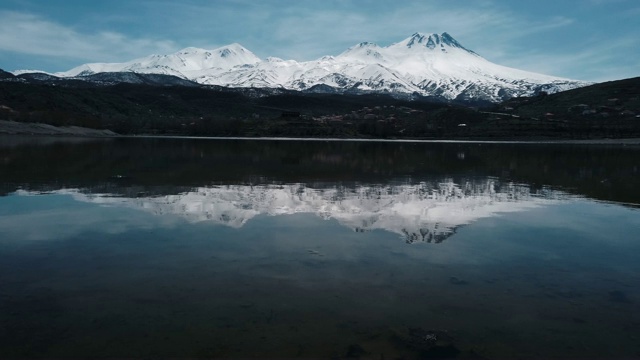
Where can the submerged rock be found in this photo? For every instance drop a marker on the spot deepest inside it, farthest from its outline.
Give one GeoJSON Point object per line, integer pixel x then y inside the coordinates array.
{"type": "Point", "coordinates": [355, 351]}
{"type": "Point", "coordinates": [457, 281]}
{"type": "Point", "coordinates": [619, 296]}
{"type": "Point", "coordinates": [430, 344]}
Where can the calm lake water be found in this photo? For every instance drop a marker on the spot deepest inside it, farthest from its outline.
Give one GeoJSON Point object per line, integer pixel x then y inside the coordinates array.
{"type": "Point", "coordinates": [242, 248]}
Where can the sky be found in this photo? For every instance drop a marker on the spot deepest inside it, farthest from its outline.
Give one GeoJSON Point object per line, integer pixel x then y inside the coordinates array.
{"type": "Point", "coordinates": [593, 40]}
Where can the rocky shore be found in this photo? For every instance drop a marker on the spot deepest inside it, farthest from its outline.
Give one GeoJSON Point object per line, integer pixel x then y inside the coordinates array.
{"type": "Point", "coordinates": [18, 128]}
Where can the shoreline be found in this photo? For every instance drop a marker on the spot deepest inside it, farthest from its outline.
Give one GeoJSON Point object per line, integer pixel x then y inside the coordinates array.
{"type": "Point", "coordinates": [8, 127]}
{"type": "Point", "coordinates": [13, 128]}
{"type": "Point", "coordinates": [602, 141]}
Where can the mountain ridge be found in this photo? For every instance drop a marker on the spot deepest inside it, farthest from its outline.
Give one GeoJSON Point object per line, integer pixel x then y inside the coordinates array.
{"type": "Point", "coordinates": [426, 64]}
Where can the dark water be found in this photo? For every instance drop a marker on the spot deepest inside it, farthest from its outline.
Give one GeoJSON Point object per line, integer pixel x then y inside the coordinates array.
{"type": "Point", "coordinates": [230, 248]}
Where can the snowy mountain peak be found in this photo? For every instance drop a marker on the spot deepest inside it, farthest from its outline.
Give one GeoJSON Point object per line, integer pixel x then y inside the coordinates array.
{"type": "Point", "coordinates": [237, 50]}
{"type": "Point", "coordinates": [366, 52]}
{"type": "Point", "coordinates": [274, 59]}
{"type": "Point", "coordinates": [428, 40]}
{"type": "Point", "coordinates": [235, 47]}
{"type": "Point", "coordinates": [448, 39]}
{"type": "Point", "coordinates": [431, 41]}
{"type": "Point", "coordinates": [427, 64]}
{"type": "Point", "coordinates": [224, 51]}
{"type": "Point", "coordinates": [367, 44]}
{"type": "Point", "coordinates": [187, 51]}
{"type": "Point", "coordinates": [327, 58]}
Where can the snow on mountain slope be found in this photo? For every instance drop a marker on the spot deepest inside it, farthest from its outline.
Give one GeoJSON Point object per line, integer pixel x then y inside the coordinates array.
{"type": "Point", "coordinates": [187, 63]}
{"type": "Point", "coordinates": [426, 64]}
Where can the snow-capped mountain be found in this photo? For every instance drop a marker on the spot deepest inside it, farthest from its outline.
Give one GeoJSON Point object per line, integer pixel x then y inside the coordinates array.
{"type": "Point", "coordinates": [424, 64]}
{"type": "Point", "coordinates": [187, 63]}
{"type": "Point", "coordinates": [428, 211]}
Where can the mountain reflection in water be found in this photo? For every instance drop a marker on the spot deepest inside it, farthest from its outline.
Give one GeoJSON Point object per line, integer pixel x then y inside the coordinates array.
{"type": "Point", "coordinates": [427, 212]}
{"type": "Point", "coordinates": [171, 166]}
{"type": "Point", "coordinates": [214, 248]}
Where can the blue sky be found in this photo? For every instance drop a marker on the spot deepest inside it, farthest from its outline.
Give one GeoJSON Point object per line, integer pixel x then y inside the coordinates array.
{"type": "Point", "coordinates": [593, 40]}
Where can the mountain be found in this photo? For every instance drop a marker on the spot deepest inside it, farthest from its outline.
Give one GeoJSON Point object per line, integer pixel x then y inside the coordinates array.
{"type": "Point", "coordinates": [134, 103]}
{"type": "Point", "coordinates": [607, 102]}
{"type": "Point", "coordinates": [423, 64]}
{"type": "Point", "coordinates": [189, 63]}
{"type": "Point", "coordinates": [137, 78]}
{"type": "Point", "coordinates": [6, 75]}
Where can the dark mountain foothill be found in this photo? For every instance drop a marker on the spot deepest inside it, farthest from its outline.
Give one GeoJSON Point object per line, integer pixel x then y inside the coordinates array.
{"type": "Point", "coordinates": [154, 104]}
{"type": "Point", "coordinates": [6, 75]}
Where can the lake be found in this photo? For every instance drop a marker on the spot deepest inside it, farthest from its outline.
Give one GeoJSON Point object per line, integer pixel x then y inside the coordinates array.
{"type": "Point", "coordinates": [156, 247]}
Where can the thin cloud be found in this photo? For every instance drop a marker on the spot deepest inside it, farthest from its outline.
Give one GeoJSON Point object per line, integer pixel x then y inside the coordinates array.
{"type": "Point", "coordinates": [593, 61]}
{"type": "Point", "coordinates": [605, 2]}
{"type": "Point", "coordinates": [31, 34]}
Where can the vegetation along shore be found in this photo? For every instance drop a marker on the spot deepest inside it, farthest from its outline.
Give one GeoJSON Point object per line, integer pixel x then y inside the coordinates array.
{"type": "Point", "coordinates": [605, 110]}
